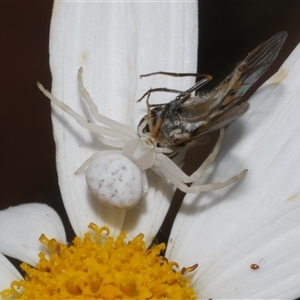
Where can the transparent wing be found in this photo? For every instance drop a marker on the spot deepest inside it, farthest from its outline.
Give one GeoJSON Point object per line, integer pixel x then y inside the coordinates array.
{"type": "Point", "coordinates": [232, 89]}
{"type": "Point", "coordinates": [182, 121]}
{"type": "Point", "coordinates": [228, 116]}
{"type": "Point", "coordinates": [219, 108]}
{"type": "Point", "coordinates": [253, 67]}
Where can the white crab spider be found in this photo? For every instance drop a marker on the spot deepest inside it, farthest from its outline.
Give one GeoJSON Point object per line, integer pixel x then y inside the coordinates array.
{"type": "Point", "coordinates": [117, 177]}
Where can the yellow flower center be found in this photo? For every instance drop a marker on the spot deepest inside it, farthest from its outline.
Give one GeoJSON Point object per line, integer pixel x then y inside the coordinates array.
{"type": "Point", "coordinates": [101, 267]}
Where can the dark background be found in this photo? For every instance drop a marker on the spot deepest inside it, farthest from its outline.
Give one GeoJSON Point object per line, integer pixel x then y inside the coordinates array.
{"type": "Point", "coordinates": [228, 31]}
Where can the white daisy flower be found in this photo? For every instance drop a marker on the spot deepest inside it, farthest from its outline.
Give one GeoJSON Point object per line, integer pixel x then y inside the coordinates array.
{"type": "Point", "coordinates": [245, 238]}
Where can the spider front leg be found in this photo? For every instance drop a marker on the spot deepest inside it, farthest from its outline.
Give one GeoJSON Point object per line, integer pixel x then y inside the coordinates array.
{"type": "Point", "coordinates": [170, 165]}
{"type": "Point", "coordinates": [168, 169]}
{"type": "Point", "coordinates": [98, 130]}
{"type": "Point", "coordinates": [205, 187]}
{"type": "Point", "coordinates": [207, 162]}
{"type": "Point", "coordinates": [94, 110]}
{"type": "Point", "coordinates": [172, 175]}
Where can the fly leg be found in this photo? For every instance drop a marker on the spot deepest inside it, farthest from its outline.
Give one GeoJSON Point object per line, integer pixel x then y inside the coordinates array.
{"type": "Point", "coordinates": [209, 77]}
{"type": "Point", "coordinates": [182, 94]}
{"type": "Point", "coordinates": [172, 106]}
{"type": "Point", "coordinates": [166, 90]}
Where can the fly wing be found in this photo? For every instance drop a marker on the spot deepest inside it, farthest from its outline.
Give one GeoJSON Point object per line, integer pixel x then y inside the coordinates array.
{"type": "Point", "coordinates": [232, 89]}
{"type": "Point", "coordinates": [261, 58]}
{"type": "Point", "coordinates": [229, 116]}
{"type": "Point", "coordinates": [186, 119]}
{"type": "Point", "coordinates": [219, 108]}
{"type": "Point", "coordinates": [252, 68]}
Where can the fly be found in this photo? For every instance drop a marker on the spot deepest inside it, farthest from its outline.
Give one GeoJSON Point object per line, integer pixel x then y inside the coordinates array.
{"type": "Point", "coordinates": [184, 121]}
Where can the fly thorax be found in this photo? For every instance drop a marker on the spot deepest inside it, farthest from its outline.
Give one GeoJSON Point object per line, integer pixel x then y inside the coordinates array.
{"type": "Point", "coordinates": [139, 152]}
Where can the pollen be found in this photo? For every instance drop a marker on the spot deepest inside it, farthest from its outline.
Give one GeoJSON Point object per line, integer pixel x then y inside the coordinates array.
{"type": "Point", "coordinates": [99, 266]}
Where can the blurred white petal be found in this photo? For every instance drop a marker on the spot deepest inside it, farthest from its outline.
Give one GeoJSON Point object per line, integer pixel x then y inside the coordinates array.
{"type": "Point", "coordinates": [256, 220]}
{"type": "Point", "coordinates": [8, 273]}
{"type": "Point", "coordinates": [115, 43]}
{"type": "Point", "coordinates": [22, 225]}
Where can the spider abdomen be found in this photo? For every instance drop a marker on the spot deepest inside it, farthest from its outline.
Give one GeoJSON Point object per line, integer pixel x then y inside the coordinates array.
{"type": "Point", "coordinates": [115, 180]}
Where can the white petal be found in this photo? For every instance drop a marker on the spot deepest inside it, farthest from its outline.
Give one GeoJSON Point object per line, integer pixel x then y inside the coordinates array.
{"type": "Point", "coordinates": [115, 43]}
{"type": "Point", "coordinates": [22, 225]}
{"type": "Point", "coordinates": [8, 273]}
{"type": "Point", "coordinates": [256, 220]}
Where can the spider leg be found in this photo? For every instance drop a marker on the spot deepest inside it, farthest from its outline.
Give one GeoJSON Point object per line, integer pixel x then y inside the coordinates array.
{"type": "Point", "coordinates": [174, 176]}
{"type": "Point", "coordinates": [208, 161]}
{"type": "Point", "coordinates": [145, 184]}
{"type": "Point", "coordinates": [166, 167]}
{"type": "Point", "coordinates": [94, 128]}
{"type": "Point", "coordinates": [197, 174]}
{"type": "Point", "coordinates": [94, 110]}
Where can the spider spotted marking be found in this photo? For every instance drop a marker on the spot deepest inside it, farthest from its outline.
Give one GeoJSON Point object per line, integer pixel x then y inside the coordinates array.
{"type": "Point", "coordinates": [135, 153]}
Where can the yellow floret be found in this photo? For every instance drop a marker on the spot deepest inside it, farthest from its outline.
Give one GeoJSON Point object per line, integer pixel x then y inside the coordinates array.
{"type": "Point", "coordinates": [101, 267]}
